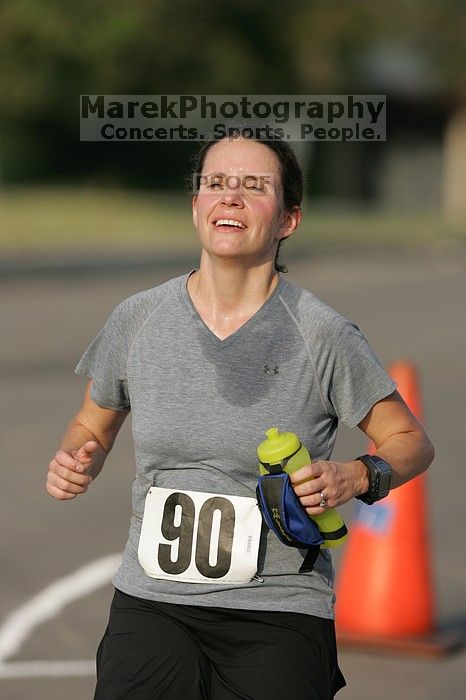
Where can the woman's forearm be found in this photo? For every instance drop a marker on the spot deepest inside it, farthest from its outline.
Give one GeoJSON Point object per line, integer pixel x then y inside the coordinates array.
{"type": "Point", "coordinates": [409, 454]}
{"type": "Point", "coordinates": [76, 436]}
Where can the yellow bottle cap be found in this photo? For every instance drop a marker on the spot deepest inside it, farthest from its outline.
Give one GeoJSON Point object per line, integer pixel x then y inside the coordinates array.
{"type": "Point", "coordinates": [278, 446]}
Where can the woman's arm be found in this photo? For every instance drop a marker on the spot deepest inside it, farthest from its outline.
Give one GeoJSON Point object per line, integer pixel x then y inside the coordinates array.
{"type": "Point", "coordinates": [83, 449]}
{"type": "Point", "coordinates": [399, 438]}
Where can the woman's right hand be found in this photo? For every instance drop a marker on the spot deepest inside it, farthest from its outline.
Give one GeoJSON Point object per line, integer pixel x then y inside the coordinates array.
{"type": "Point", "coordinates": [68, 475]}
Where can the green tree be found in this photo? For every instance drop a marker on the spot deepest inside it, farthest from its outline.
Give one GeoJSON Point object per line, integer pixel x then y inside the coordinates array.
{"type": "Point", "coordinates": [51, 51]}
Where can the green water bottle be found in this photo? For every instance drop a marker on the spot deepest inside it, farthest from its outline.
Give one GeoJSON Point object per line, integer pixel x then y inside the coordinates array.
{"type": "Point", "coordinates": [287, 451]}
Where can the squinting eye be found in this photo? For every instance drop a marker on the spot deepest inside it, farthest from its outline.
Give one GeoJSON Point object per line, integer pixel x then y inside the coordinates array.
{"type": "Point", "coordinates": [255, 189]}
{"type": "Point", "coordinates": [254, 185]}
{"type": "Point", "coordinates": [215, 186]}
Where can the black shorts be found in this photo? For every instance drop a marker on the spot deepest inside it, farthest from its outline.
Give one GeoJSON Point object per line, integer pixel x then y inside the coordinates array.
{"type": "Point", "coordinates": [184, 652]}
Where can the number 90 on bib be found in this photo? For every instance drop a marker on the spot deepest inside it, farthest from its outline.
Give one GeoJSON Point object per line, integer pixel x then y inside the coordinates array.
{"type": "Point", "coordinates": [196, 537]}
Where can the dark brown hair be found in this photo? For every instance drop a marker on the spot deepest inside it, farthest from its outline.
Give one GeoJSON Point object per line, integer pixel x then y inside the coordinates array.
{"type": "Point", "coordinates": [290, 173]}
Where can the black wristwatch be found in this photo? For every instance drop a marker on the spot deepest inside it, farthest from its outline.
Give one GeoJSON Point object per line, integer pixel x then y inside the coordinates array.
{"type": "Point", "coordinates": [379, 472]}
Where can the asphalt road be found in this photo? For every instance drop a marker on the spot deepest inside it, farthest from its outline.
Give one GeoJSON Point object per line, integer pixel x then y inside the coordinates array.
{"type": "Point", "coordinates": [408, 306]}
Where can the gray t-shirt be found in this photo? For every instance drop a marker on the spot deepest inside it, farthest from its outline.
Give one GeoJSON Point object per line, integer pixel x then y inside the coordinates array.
{"type": "Point", "coordinates": [200, 407]}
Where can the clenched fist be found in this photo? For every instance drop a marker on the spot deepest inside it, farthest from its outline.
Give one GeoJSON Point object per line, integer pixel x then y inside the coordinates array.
{"type": "Point", "coordinates": [68, 473]}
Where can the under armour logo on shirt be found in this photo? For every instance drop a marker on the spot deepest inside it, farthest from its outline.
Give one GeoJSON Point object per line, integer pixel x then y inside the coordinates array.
{"type": "Point", "coordinates": [270, 370]}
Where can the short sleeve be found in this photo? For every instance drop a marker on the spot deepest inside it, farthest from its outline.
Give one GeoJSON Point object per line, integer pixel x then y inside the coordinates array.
{"type": "Point", "coordinates": [104, 361]}
{"type": "Point", "coordinates": [352, 378]}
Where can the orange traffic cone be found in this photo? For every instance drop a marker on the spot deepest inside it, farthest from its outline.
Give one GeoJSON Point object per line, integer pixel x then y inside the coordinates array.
{"type": "Point", "coordinates": [385, 595]}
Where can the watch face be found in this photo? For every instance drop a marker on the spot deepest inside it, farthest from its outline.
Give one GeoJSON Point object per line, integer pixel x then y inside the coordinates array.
{"type": "Point", "coordinates": [385, 482]}
{"type": "Point", "coordinates": [379, 472]}
{"type": "Point", "coordinates": [385, 474]}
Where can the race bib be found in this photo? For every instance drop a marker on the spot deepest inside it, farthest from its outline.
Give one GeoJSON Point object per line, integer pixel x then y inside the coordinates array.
{"type": "Point", "coordinates": [199, 537]}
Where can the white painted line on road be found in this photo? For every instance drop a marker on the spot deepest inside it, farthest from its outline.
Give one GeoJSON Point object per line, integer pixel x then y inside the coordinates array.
{"type": "Point", "coordinates": [19, 624]}
{"type": "Point", "coordinates": [46, 669]}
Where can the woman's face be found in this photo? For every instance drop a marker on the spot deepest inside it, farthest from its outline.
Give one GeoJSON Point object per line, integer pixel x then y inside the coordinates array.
{"type": "Point", "coordinates": [238, 211]}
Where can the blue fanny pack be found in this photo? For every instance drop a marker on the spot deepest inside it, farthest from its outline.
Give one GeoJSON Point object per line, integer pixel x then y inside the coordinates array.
{"type": "Point", "coordinates": [286, 517]}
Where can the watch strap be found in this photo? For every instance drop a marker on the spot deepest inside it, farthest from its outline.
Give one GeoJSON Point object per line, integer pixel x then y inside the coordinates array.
{"type": "Point", "coordinates": [379, 474]}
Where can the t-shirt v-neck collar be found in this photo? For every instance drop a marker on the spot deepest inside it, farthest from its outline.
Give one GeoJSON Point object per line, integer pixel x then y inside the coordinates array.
{"type": "Point", "coordinates": [239, 331]}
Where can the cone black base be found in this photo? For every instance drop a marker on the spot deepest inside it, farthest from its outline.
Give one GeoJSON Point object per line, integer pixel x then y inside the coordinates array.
{"type": "Point", "coordinates": [437, 644]}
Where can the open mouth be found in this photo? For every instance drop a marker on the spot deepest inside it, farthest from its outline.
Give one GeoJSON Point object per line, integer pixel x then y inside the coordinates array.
{"type": "Point", "coordinates": [229, 224]}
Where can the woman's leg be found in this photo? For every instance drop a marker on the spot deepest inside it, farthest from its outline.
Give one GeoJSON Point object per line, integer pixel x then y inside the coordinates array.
{"type": "Point", "coordinates": [269, 655]}
{"type": "Point", "coordinates": [146, 654]}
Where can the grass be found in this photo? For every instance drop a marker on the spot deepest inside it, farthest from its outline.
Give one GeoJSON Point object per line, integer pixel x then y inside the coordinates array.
{"type": "Point", "coordinates": [68, 220]}
{"type": "Point", "coordinates": [51, 219]}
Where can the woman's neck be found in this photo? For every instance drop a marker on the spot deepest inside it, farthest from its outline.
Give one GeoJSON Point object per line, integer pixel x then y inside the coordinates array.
{"type": "Point", "coordinates": [226, 295]}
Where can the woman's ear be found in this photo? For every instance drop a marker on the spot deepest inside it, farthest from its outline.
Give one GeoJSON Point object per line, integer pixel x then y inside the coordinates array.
{"type": "Point", "coordinates": [291, 220]}
{"type": "Point", "coordinates": [194, 208]}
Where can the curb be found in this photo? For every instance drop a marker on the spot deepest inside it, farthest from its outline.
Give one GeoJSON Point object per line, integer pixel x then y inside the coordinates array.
{"type": "Point", "coordinates": [73, 266]}
{"type": "Point", "coordinates": [69, 265]}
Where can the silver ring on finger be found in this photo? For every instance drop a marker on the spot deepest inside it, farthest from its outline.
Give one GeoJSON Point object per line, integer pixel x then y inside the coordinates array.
{"type": "Point", "coordinates": [323, 500]}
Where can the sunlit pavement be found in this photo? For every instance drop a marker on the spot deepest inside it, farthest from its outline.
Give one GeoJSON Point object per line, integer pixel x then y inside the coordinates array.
{"type": "Point", "coordinates": [408, 307]}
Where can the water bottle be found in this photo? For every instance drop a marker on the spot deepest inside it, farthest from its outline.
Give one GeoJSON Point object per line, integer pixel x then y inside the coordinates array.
{"type": "Point", "coordinates": [284, 451]}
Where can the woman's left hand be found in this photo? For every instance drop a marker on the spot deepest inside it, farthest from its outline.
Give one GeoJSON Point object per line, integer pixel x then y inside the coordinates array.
{"type": "Point", "coordinates": [335, 482]}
